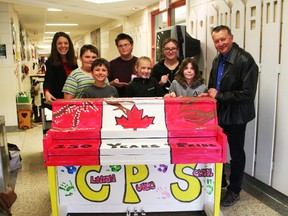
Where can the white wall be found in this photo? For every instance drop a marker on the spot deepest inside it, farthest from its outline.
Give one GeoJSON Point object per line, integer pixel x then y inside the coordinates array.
{"type": "Point", "coordinates": [113, 51]}
{"type": "Point", "coordinates": [8, 81]}
{"type": "Point", "coordinates": [12, 81]}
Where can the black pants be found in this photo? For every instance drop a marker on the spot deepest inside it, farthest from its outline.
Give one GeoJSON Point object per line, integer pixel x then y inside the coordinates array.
{"type": "Point", "coordinates": [236, 138]}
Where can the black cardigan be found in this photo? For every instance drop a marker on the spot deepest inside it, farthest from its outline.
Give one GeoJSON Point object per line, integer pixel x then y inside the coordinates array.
{"type": "Point", "coordinates": [55, 78]}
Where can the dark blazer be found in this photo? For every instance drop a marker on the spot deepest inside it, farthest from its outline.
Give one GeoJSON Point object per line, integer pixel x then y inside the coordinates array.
{"type": "Point", "coordinates": [55, 78]}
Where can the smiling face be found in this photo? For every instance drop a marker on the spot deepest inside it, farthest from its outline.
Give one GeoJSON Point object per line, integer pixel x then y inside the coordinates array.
{"type": "Point", "coordinates": [62, 45]}
{"type": "Point", "coordinates": [143, 68]}
{"type": "Point", "coordinates": [100, 73]}
{"type": "Point", "coordinates": [189, 72]}
{"type": "Point", "coordinates": [87, 59]}
{"type": "Point", "coordinates": [170, 51]}
{"type": "Point", "coordinates": [223, 41]}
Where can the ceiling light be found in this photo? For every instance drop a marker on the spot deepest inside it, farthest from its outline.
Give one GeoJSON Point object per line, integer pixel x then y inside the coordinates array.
{"type": "Point", "coordinates": [61, 24]}
{"type": "Point", "coordinates": [47, 39]}
{"type": "Point", "coordinates": [134, 8]}
{"type": "Point", "coordinates": [104, 1]}
{"type": "Point", "coordinates": [44, 46]}
{"type": "Point", "coordinates": [54, 32]}
{"type": "Point", "coordinates": [54, 9]}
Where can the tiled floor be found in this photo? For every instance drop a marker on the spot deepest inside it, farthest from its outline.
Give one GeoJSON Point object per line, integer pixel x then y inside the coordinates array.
{"type": "Point", "coordinates": [33, 190]}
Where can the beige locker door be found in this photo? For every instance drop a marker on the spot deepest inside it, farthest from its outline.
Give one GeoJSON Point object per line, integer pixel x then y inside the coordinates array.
{"type": "Point", "coordinates": [280, 175]}
{"type": "Point", "coordinates": [268, 89]}
{"type": "Point", "coordinates": [252, 31]}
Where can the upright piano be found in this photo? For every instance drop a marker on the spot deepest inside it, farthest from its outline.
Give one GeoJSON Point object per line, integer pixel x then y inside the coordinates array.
{"type": "Point", "coordinates": [135, 155]}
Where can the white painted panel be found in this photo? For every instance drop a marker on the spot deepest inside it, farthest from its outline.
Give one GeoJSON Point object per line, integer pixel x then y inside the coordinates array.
{"type": "Point", "coordinates": [196, 25]}
{"type": "Point", "coordinates": [238, 22]}
{"type": "Point", "coordinates": [212, 21]}
{"type": "Point", "coordinates": [191, 25]}
{"type": "Point", "coordinates": [4, 7]}
{"type": "Point", "coordinates": [252, 30]}
{"type": "Point", "coordinates": [8, 109]}
{"type": "Point", "coordinates": [280, 174]}
{"type": "Point", "coordinates": [140, 41]}
{"type": "Point", "coordinates": [202, 35]}
{"type": "Point", "coordinates": [268, 89]}
{"type": "Point", "coordinates": [113, 52]}
{"type": "Point", "coordinates": [224, 17]}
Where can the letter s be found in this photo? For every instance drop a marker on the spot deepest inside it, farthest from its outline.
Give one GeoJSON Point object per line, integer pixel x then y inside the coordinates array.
{"type": "Point", "coordinates": [193, 189]}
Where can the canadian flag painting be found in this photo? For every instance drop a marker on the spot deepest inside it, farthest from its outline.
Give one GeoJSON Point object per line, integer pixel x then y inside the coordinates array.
{"type": "Point", "coordinates": [136, 131]}
{"type": "Point", "coordinates": [132, 119]}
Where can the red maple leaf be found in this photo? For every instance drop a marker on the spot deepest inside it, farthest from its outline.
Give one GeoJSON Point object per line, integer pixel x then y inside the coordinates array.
{"type": "Point", "coordinates": [134, 119]}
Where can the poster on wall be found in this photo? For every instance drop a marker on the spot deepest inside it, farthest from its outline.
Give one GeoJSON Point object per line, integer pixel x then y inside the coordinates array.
{"type": "Point", "coordinates": [95, 39]}
{"type": "Point", "coordinates": [22, 42]}
{"type": "Point", "coordinates": [3, 54]}
{"type": "Point", "coordinates": [13, 33]}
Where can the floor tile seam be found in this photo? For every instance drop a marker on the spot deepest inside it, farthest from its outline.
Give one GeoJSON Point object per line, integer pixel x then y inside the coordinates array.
{"type": "Point", "coordinates": [268, 189]}
{"type": "Point", "coordinates": [267, 195]}
{"type": "Point", "coordinates": [261, 196]}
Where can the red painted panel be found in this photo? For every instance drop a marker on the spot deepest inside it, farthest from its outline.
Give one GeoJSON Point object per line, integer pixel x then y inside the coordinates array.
{"type": "Point", "coordinates": [78, 113]}
{"type": "Point", "coordinates": [193, 134]}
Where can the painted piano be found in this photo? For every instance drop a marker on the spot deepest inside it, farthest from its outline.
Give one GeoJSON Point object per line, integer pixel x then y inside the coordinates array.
{"type": "Point", "coordinates": [135, 155]}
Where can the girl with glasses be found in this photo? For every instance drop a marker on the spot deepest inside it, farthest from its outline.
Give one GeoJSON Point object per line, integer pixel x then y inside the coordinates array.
{"type": "Point", "coordinates": [165, 70]}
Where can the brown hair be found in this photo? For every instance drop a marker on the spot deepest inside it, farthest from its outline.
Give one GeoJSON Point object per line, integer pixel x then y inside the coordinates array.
{"type": "Point", "coordinates": [99, 62]}
{"type": "Point", "coordinates": [89, 47]}
{"type": "Point", "coordinates": [180, 73]}
{"type": "Point", "coordinates": [221, 27]}
{"type": "Point", "coordinates": [123, 36]}
{"type": "Point", "coordinates": [55, 57]}
{"type": "Point", "coordinates": [173, 40]}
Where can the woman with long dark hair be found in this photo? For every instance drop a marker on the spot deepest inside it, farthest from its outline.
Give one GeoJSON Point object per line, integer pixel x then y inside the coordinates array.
{"type": "Point", "coordinates": [61, 62]}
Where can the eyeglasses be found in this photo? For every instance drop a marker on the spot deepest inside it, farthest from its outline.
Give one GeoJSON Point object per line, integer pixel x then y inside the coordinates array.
{"type": "Point", "coordinates": [170, 49]}
{"type": "Point", "coordinates": [123, 45]}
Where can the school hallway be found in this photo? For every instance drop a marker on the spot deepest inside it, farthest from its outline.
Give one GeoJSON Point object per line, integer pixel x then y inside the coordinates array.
{"type": "Point", "coordinates": [31, 186]}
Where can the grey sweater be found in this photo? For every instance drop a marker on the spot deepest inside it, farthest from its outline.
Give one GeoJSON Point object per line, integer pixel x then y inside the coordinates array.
{"type": "Point", "coordinates": [194, 90]}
